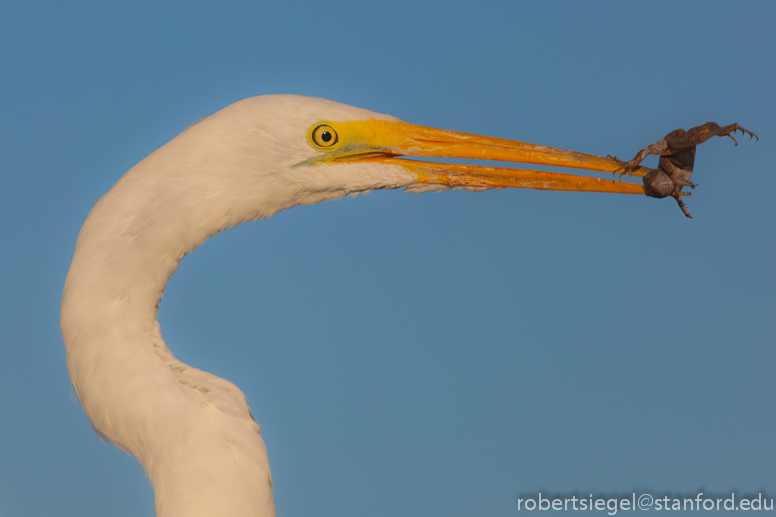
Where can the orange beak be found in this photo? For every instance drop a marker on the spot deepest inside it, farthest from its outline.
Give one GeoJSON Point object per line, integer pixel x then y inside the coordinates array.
{"type": "Point", "coordinates": [385, 141]}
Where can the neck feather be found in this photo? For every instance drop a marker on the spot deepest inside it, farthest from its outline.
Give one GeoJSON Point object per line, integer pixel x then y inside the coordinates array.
{"type": "Point", "coordinates": [192, 431]}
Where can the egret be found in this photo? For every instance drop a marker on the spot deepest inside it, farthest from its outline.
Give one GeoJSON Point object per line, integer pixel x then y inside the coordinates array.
{"type": "Point", "coordinates": [192, 431]}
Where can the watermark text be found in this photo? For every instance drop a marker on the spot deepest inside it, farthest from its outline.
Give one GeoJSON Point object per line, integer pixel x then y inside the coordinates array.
{"type": "Point", "coordinates": [643, 501]}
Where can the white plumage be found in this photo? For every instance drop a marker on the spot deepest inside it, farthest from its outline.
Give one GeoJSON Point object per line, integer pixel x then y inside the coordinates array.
{"type": "Point", "coordinates": [192, 431]}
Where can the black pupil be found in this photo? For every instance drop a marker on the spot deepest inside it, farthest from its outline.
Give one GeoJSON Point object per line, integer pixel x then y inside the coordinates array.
{"type": "Point", "coordinates": [326, 136]}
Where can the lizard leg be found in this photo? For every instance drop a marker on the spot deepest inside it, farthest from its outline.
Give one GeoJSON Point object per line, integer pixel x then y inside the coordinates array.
{"type": "Point", "coordinates": [660, 147]}
{"type": "Point", "coordinates": [681, 139]}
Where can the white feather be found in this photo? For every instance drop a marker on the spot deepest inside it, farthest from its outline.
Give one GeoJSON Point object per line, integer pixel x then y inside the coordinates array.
{"type": "Point", "coordinates": [192, 431]}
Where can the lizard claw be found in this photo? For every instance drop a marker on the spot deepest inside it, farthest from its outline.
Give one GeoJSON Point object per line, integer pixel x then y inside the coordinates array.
{"type": "Point", "coordinates": [731, 130]}
{"type": "Point", "coordinates": [624, 167]}
{"type": "Point", "coordinates": [745, 131]}
{"type": "Point", "coordinates": [683, 207]}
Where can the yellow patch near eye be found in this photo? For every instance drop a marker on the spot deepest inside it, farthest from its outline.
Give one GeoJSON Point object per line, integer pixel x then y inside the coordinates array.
{"type": "Point", "coordinates": [323, 135]}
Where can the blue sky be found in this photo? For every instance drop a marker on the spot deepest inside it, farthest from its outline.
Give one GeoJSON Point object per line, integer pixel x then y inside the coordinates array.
{"type": "Point", "coordinates": [432, 354]}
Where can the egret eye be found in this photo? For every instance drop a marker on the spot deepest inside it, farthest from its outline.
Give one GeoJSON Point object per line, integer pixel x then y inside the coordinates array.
{"type": "Point", "coordinates": [324, 136]}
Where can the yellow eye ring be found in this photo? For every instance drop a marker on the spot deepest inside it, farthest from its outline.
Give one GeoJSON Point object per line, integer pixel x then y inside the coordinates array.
{"type": "Point", "coordinates": [324, 136]}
